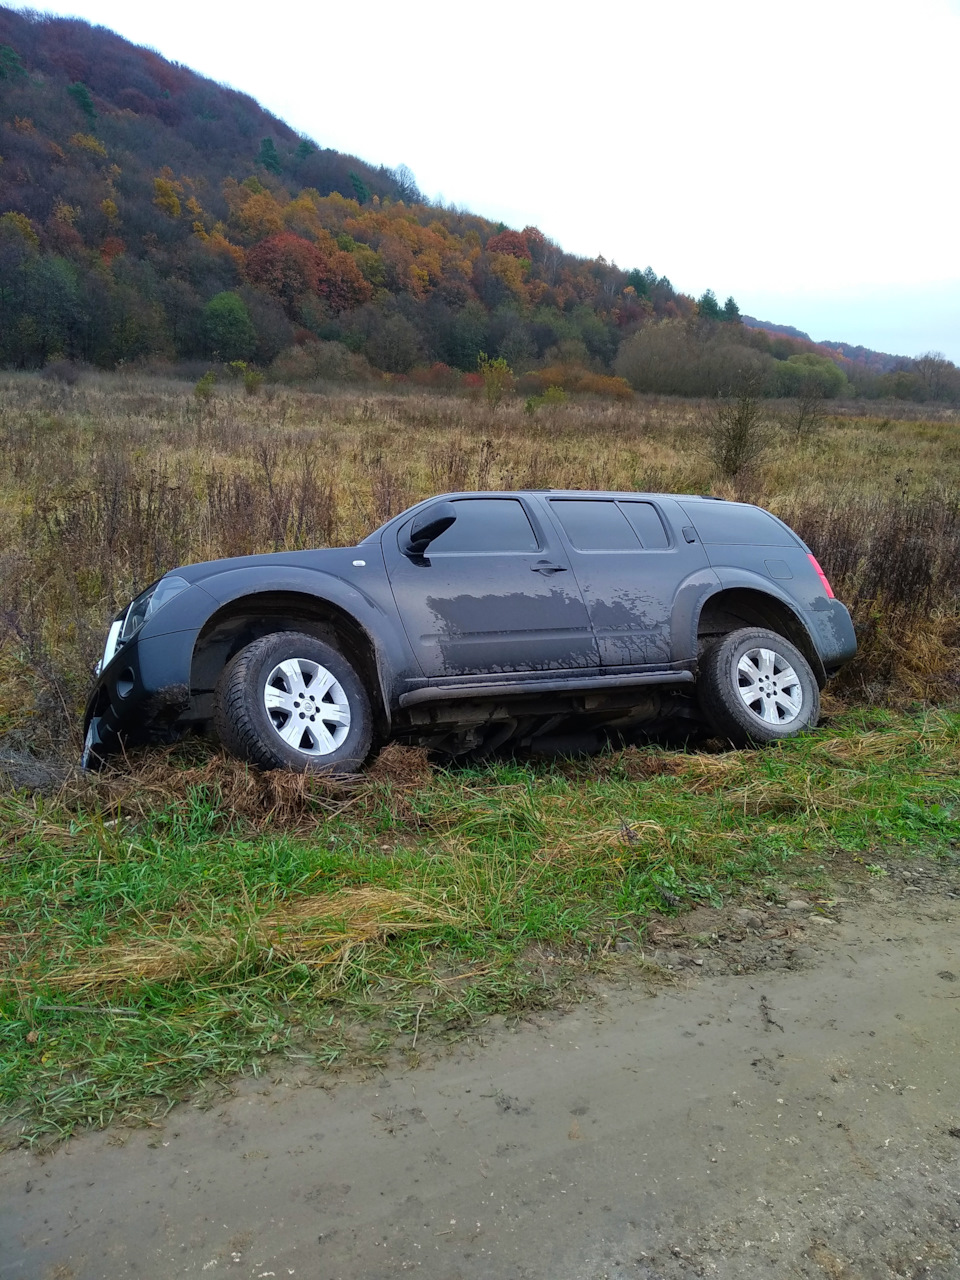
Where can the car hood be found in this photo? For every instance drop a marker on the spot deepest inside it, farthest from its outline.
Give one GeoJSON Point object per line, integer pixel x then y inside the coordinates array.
{"type": "Point", "coordinates": [336, 560]}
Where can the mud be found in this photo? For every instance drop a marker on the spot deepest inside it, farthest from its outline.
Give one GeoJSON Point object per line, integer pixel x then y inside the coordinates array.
{"type": "Point", "coordinates": [787, 1106]}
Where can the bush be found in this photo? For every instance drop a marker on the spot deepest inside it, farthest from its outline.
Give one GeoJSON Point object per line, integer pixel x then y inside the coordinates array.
{"type": "Point", "coordinates": [552, 396]}
{"type": "Point", "coordinates": [497, 378]}
{"type": "Point", "coordinates": [320, 362]}
{"type": "Point", "coordinates": [738, 433]}
{"type": "Point", "coordinates": [574, 378]}
{"type": "Point", "coordinates": [809, 374]}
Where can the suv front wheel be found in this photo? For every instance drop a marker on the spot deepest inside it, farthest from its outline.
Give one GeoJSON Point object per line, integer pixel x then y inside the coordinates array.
{"type": "Point", "coordinates": [756, 687]}
{"type": "Point", "coordinates": [289, 701]}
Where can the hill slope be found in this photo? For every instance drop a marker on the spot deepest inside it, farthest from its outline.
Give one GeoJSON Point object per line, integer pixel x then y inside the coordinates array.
{"type": "Point", "coordinates": [147, 212]}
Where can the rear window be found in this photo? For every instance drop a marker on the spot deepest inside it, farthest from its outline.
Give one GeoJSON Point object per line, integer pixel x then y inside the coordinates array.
{"type": "Point", "coordinates": [601, 524]}
{"type": "Point", "coordinates": [647, 524]}
{"type": "Point", "coordinates": [720, 523]}
{"type": "Point", "coordinates": [594, 524]}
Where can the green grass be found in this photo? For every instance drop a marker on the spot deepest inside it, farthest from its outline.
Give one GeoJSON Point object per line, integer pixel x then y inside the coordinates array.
{"type": "Point", "coordinates": [153, 944]}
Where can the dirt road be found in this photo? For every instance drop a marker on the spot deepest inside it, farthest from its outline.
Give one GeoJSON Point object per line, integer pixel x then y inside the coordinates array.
{"type": "Point", "coordinates": [801, 1120]}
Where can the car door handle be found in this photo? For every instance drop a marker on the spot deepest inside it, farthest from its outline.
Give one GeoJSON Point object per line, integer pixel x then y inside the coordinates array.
{"type": "Point", "coordinates": [548, 567]}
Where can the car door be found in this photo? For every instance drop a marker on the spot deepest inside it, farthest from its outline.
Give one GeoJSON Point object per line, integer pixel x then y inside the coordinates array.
{"type": "Point", "coordinates": [493, 594]}
{"type": "Point", "coordinates": [629, 565]}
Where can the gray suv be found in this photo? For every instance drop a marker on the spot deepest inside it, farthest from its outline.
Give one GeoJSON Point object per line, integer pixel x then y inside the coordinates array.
{"type": "Point", "coordinates": [548, 620]}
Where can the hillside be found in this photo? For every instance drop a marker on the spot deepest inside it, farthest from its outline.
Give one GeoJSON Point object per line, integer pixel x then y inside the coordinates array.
{"type": "Point", "coordinates": [147, 213]}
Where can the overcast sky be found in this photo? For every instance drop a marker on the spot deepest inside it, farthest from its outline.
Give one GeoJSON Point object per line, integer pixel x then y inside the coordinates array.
{"type": "Point", "coordinates": [800, 157]}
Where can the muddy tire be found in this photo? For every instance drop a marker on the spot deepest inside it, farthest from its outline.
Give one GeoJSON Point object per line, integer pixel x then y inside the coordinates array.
{"type": "Point", "coordinates": [289, 701]}
{"type": "Point", "coordinates": [756, 687]}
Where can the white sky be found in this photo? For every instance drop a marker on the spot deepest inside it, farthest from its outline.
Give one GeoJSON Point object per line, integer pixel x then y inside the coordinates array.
{"type": "Point", "coordinates": [801, 157]}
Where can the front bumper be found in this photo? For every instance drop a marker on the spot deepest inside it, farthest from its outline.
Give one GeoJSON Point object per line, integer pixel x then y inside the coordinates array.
{"type": "Point", "coordinates": [141, 694]}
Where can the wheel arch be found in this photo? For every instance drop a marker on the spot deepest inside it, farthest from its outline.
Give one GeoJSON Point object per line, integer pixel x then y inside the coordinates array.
{"type": "Point", "coordinates": [732, 608]}
{"type": "Point", "coordinates": [249, 617]}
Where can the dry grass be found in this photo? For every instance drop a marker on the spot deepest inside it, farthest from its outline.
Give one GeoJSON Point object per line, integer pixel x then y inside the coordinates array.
{"type": "Point", "coordinates": [107, 484]}
{"type": "Point", "coordinates": [313, 932]}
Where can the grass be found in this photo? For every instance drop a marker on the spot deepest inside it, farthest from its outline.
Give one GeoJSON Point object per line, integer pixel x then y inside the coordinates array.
{"type": "Point", "coordinates": [187, 920]}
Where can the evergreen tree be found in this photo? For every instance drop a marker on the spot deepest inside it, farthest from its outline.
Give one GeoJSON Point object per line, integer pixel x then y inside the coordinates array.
{"type": "Point", "coordinates": [360, 188]}
{"type": "Point", "coordinates": [731, 312]}
{"type": "Point", "coordinates": [708, 305]}
{"type": "Point", "coordinates": [269, 157]}
{"type": "Point", "coordinates": [11, 68]}
{"type": "Point", "coordinates": [81, 96]}
{"type": "Point", "coordinates": [640, 282]}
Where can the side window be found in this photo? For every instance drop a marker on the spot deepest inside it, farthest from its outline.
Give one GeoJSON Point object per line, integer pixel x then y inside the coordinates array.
{"type": "Point", "coordinates": [486, 524]}
{"type": "Point", "coordinates": [594, 524]}
{"type": "Point", "coordinates": [647, 524]}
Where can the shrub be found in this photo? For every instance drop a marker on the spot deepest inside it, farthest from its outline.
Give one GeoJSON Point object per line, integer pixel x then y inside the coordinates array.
{"type": "Point", "coordinates": [576, 379]}
{"type": "Point", "coordinates": [497, 378]}
{"type": "Point", "coordinates": [738, 433]}
{"type": "Point", "coordinates": [552, 396]}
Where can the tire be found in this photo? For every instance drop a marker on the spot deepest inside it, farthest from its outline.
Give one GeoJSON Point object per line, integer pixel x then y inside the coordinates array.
{"type": "Point", "coordinates": [756, 687]}
{"type": "Point", "coordinates": [269, 710]}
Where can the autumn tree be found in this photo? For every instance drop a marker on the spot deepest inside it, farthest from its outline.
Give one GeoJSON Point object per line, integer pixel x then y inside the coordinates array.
{"type": "Point", "coordinates": [513, 243]}
{"type": "Point", "coordinates": [286, 266]}
{"type": "Point", "coordinates": [292, 268]}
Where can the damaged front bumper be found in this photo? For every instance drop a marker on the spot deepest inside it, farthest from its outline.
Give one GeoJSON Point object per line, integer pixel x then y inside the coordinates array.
{"type": "Point", "coordinates": [142, 691]}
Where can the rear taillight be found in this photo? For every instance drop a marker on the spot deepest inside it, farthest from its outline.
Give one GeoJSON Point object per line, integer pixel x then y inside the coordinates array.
{"type": "Point", "coordinates": [822, 576]}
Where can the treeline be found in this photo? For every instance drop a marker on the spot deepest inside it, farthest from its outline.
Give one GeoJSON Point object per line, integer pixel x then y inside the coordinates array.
{"type": "Point", "coordinates": [148, 214]}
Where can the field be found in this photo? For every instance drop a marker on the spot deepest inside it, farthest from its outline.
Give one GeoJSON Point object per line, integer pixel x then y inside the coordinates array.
{"type": "Point", "coordinates": [183, 919]}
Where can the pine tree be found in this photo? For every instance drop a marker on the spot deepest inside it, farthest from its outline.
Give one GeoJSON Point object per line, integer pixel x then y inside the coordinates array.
{"type": "Point", "coordinates": [268, 157]}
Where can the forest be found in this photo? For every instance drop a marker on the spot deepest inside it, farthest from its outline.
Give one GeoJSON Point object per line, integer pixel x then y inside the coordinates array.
{"type": "Point", "coordinates": [151, 216]}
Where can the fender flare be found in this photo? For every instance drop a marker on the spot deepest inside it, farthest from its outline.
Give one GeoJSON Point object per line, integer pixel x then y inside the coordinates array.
{"type": "Point", "coordinates": [385, 634]}
{"type": "Point", "coordinates": [745, 579]}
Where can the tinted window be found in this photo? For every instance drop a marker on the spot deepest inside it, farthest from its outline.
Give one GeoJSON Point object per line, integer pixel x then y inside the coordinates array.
{"type": "Point", "coordinates": [646, 524]}
{"type": "Point", "coordinates": [486, 524]}
{"type": "Point", "coordinates": [594, 525]}
{"type": "Point", "coordinates": [718, 523]}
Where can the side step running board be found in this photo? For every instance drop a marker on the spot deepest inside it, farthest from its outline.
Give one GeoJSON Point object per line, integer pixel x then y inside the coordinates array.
{"type": "Point", "coordinates": [518, 688]}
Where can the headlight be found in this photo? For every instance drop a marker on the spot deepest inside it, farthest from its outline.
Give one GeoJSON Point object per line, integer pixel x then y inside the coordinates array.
{"type": "Point", "coordinates": [147, 604]}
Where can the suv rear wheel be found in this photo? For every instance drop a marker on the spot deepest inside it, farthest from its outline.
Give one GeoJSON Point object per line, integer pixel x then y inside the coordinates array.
{"type": "Point", "coordinates": [757, 687]}
{"type": "Point", "coordinates": [289, 701]}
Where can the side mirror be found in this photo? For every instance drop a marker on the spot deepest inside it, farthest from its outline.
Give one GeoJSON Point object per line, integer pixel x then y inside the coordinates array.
{"type": "Point", "coordinates": [427, 527]}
